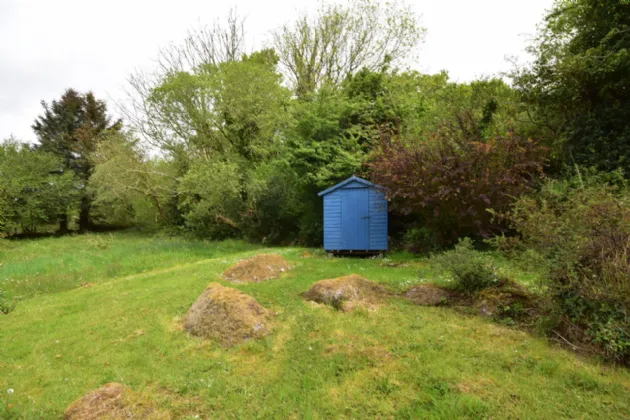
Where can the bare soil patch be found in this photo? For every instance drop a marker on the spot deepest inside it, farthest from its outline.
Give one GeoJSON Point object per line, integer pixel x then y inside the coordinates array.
{"type": "Point", "coordinates": [259, 268]}
{"type": "Point", "coordinates": [114, 401]}
{"type": "Point", "coordinates": [227, 315]}
{"type": "Point", "coordinates": [429, 295]}
{"type": "Point", "coordinates": [347, 292]}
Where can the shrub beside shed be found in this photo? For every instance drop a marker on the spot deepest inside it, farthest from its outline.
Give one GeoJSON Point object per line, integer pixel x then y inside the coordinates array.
{"type": "Point", "coordinates": [355, 217]}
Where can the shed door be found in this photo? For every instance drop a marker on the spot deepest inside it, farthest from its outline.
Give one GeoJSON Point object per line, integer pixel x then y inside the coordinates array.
{"type": "Point", "coordinates": [355, 221]}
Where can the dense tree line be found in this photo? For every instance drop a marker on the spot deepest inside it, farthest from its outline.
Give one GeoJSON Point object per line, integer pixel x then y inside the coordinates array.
{"type": "Point", "coordinates": [222, 142]}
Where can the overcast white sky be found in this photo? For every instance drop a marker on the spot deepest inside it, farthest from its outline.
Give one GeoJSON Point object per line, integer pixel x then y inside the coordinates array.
{"type": "Point", "coordinates": [47, 46]}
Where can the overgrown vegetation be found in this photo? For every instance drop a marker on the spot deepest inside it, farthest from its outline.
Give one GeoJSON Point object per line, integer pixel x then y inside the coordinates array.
{"type": "Point", "coordinates": [582, 229]}
{"type": "Point", "coordinates": [35, 190]}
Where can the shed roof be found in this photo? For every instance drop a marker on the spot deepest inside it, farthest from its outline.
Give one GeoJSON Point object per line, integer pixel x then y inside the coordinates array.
{"type": "Point", "coordinates": [347, 181]}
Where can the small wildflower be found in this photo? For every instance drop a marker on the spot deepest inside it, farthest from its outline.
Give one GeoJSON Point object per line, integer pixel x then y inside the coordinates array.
{"type": "Point", "coordinates": [10, 391]}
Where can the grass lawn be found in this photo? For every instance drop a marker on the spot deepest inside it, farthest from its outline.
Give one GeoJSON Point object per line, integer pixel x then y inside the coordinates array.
{"type": "Point", "coordinates": [403, 361]}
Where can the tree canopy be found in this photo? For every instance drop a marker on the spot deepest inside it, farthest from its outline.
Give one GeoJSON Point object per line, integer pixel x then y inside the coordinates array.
{"type": "Point", "coordinates": [35, 188]}
{"type": "Point", "coordinates": [340, 40]}
{"type": "Point", "coordinates": [578, 88]}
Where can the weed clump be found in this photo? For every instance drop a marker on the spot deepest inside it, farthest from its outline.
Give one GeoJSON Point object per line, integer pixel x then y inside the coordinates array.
{"type": "Point", "coordinates": [227, 315]}
{"type": "Point", "coordinates": [470, 268]}
{"type": "Point", "coordinates": [346, 293]}
{"type": "Point", "coordinates": [508, 302]}
{"type": "Point", "coordinates": [114, 401]}
{"type": "Point", "coordinates": [256, 269]}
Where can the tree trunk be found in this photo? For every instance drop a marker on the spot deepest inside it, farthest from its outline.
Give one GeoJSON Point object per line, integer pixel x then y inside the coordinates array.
{"type": "Point", "coordinates": [63, 224]}
{"type": "Point", "coordinates": [156, 200]}
{"type": "Point", "coordinates": [84, 215]}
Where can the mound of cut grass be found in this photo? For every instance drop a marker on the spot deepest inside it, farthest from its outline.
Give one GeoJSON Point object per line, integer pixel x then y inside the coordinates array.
{"type": "Point", "coordinates": [258, 268]}
{"type": "Point", "coordinates": [227, 315]}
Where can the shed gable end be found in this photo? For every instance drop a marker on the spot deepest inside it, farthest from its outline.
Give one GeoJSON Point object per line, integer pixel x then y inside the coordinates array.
{"type": "Point", "coordinates": [355, 216]}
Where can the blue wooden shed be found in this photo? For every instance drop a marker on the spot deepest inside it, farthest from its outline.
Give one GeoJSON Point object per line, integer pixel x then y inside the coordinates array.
{"type": "Point", "coordinates": [355, 216]}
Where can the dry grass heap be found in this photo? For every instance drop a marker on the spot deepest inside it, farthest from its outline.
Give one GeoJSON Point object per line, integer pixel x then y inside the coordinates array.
{"type": "Point", "coordinates": [227, 315]}
{"type": "Point", "coordinates": [346, 293]}
{"type": "Point", "coordinates": [113, 401]}
{"type": "Point", "coordinates": [428, 295]}
{"type": "Point", "coordinates": [256, 269]}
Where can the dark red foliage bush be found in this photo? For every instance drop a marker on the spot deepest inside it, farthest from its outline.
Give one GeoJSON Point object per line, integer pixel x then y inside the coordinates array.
{"type": "Point", "coordinates": [451, 180]}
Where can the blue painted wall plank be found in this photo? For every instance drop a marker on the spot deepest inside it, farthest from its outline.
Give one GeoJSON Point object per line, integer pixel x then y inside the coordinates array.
{"type": "Point", "coordinates": [332, 221]}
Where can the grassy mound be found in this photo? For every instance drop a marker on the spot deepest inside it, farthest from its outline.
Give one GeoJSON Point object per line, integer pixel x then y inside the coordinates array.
{"type": "Point", "coordinates": [347, 292]}
{"type": "Point", "coordinates": [227, 315]}
{"type": "Point", "coordinates": [113, 401]}
{"type": "Point", "coordinates": [256, 269]}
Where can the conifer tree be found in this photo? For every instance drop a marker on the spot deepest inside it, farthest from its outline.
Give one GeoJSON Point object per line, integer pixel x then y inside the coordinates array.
{"type": "Point", "coordinates": [70, 128]}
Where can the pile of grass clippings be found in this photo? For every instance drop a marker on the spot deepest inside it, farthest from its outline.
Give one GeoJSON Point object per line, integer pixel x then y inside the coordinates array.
{"type": "Point", "coordinates": [114, 401]}
{"type": "Point", "coordinates": [347, 292]}
{"type": "Point", "coordinates": [256, 269]}
{"type": "Point", "coordinates": [227, 315]}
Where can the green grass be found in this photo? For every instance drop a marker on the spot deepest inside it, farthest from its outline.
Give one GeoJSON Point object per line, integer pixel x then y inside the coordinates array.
{"type": "Point", "coordinates": [400, 361]}
{"type": "Point", "coordinates": [31, 267]}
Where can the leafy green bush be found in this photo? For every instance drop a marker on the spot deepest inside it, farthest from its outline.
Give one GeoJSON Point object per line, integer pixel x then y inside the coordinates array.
{"type": "Point", "coordinates": [583, 231]}
{"type": "Point", "coordinates": [470, 268]}
{"type": "Point", "coordinates": [272, 191]}
{"type": "Point", "coordinates": [6, 305]}
{"type": "Point", "coordinates": [34, 185]}
{"type": "Point", "coordinates": [420, 240]}
{"type": "Point", "coordinates": [210, 199]}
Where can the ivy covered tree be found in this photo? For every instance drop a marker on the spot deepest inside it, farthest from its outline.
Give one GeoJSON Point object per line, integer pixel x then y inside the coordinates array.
{"type": "Point", "coordinates": [70, 129]}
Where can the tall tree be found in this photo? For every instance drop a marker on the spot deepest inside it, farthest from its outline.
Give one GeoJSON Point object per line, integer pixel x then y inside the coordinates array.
{"type": "Point", "coordinates": [340, 40]}
{"type": "Point", "coordinates": [578, 87]}
{"type": "Point", "coordinates": [232, 110]}
{"type": "Point", "coordinates": [125, 177]}
{"type": "Point", "coordinates": [205, 46]}
{"type": "Point", "coordinates": [69, 128]}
